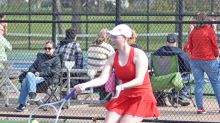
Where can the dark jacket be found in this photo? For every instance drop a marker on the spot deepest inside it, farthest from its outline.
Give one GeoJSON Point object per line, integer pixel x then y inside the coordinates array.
{"type": "Point", "coordinates": [183, 58]}
{"type": "Point", "coordinates": [49, 67]}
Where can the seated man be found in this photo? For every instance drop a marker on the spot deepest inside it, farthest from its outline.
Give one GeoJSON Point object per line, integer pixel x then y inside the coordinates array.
{"type": "Point", "coordinates": [46, 68]}
{"type": "Point", "coordinates": [183, 60]}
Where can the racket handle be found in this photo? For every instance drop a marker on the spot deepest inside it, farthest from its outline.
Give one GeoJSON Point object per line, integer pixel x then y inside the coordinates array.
{"type": "Point", "coordinates": [73, 93]}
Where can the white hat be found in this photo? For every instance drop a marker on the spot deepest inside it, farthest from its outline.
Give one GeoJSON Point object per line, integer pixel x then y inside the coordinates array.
{"type": "Point", "coordinates": [121, 29]}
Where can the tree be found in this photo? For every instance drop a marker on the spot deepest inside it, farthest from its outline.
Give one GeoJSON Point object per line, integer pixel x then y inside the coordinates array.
{"type": "Point", "coordinates": [14, 3]}
{"type": "Point", "coordinates": [58, 8]}
{"type": "Point", "coordinates": [101, 6]}
{"type": "Point", "coordinates": [76, 8]}
{"type": "Point", "coordinates": [35, 4]}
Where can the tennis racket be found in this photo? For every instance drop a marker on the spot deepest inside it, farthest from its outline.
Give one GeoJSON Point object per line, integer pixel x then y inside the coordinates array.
{"type": "Point", "coordinates": [57, 106]}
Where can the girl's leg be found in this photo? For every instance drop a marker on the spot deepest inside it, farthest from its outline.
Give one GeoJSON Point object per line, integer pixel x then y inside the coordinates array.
{"type": "Point", "coordinates": [112, 117]}
{"type": "Point", "coordinates": [130, 119]}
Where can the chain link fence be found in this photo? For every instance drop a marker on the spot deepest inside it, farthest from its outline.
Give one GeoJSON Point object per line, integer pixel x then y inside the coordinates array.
{"type": "Point", "coordinates": [31, 23]}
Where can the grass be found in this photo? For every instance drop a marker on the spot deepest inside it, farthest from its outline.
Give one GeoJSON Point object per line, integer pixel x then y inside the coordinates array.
{"type": "Point", "coordinates": [93, 28]}
{"type": "Point", "coordinates": [154, 42]}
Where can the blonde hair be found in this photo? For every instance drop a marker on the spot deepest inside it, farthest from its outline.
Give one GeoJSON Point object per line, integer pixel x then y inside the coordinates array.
{"type": "Point", "coordinates": [202, 16]}
{"type": "Point", "coordinates": [102, 37]}
{"type": "Point", "coordinates": [132, 39]}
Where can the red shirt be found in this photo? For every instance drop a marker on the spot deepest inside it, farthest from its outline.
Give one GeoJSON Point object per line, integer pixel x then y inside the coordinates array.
{"type": "Point", "coordinates": [203, 44]}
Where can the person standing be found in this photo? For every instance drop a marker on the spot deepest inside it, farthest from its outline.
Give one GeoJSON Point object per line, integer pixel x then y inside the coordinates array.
{"type": "Point", "coordinates": [134, 98]}
{"type": "Point", "coordinates": [203, 51]}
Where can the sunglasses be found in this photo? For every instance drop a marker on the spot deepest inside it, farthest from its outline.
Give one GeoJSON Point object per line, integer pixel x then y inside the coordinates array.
{"type": "Point", "coordinates": [47, 48]}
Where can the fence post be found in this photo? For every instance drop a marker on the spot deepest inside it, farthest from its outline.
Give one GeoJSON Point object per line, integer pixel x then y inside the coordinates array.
{"type": "Point", "coordinates": [180, 25]}
{"type": "Point", "coordinates": [29, 24]}
{"type": "Point", "coordinates": [118, 12]}
{"type": "Point", "coordinates": [212, 5]}
{"type": "Point", "coordinates": [54, 39]}
{"type": "Point", "coordinates": [87, 25]}
{"type": "Point", "coordinates": [148, 25]}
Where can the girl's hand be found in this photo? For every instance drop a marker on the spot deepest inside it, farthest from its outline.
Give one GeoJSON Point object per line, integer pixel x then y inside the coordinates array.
{"type": "Point", "coordinates": [118, 89]}
{"type": "Point", "coordinates": [79, 88]}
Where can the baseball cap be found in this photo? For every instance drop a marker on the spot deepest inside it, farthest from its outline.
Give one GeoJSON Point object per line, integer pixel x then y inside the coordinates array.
{"type": "Point", "coordinates": [171, 38]}
{"type": "Point", "coordinates": [121, 29]}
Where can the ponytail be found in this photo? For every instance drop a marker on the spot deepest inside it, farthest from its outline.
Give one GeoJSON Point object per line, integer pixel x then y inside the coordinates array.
{"type": "Point", "coordinates": [132, 39]}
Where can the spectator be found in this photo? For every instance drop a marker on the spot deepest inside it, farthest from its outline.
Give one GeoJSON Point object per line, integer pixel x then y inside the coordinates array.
{"type": "Point", "coordinates": [46, 68]}
{"type": "Point", "coordinates": [4, 44]}
{"type": "Point", "coordinates": [183, 60]}
{"type": "Point", "coordinates": [70, 49]}
{"type": "Point", "coordinates": [98, 53]}
{"type": "Point", "coordinates": [203, 51]}
{"type": "Point", "coordinates": [212, 17]}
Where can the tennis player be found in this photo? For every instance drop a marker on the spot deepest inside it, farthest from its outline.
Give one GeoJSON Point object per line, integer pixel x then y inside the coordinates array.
{"type": "Point", "coordinates": [134, 98]}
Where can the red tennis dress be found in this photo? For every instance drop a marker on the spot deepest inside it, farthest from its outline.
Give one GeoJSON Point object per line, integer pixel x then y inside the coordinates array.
{"type": "Point", "coordinates": [137, 101]}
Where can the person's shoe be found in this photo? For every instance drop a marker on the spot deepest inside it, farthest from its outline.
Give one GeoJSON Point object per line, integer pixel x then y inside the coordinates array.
{"type": "Point", "coordinates": [171, 99]}
{"type": "Point", "coordinates": [201, 111]}
{"type": "Point", "coordinates": [183, 101]}
{"type": "Point", "coordinates": [21, 108]}
{"type": "Point", "coordinates": [32, 98]}
{"type": "Point", "coordinates": [39, 103]}
{"type": "Point", "coordinates": [167, 101]}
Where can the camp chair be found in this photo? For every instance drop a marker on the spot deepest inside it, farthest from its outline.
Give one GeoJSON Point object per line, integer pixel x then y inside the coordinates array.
{"type": "Point", "coordinates": [166, 76]}
{"type": "Point", "coordinates": [52, 91]}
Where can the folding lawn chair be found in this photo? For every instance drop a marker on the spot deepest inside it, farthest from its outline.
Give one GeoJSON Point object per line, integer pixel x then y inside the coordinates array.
{"type": "Point", "coordinates": [166, 77]}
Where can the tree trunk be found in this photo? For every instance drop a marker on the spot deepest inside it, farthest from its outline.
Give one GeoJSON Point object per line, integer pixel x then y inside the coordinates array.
{"type": "Point", "coordinates": [36, 4]}
{"type": "Point", "coordinates": [59, 18]}
{"type": "Point", "coordinates": [101, 6]}
{"type": "Point", "coordinates": [14, 3]}
{"type": "Point", "coordinates": [76, 8]}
